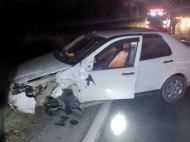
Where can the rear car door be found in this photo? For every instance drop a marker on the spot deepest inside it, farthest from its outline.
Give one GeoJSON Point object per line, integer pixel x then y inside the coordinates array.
{"type": "Point", "coordinates": [156, 63]}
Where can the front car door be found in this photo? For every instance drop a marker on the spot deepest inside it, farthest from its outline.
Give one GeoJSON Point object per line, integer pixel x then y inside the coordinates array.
{"type": "Point", "coordinates": [110, 71]}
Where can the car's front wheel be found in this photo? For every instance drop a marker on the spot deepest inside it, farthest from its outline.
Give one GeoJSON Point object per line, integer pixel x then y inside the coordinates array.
{"type": "Point", "coordinates": [173, 89]}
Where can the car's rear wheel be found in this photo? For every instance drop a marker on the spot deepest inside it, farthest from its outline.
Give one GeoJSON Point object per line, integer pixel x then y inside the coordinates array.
{"type": "Point", "coordinates": [174, 88]}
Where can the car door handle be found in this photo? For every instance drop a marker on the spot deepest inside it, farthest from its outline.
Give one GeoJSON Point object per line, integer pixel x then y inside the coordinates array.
{"type": "Point", "coordinates": [131, 73]}
{"type": "Point", "coordinates": [168, 61]}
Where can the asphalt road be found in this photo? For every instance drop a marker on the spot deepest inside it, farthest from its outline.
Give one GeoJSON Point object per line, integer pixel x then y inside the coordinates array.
{"type": "Point", "coordinates": [143, 119]}
{"type": "Point", "coordinates": [61, 127]}
{"type": "Point", "coordinates": [148, 119]}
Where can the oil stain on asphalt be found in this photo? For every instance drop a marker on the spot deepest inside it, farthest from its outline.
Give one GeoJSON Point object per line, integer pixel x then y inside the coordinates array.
{"type": "Point", "coordinates": [62, 121]}
{"type": "Point", "coordinates": [74, 122]}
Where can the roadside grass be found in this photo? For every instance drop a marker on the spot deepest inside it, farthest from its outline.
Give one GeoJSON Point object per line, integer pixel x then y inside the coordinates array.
{"type": "Point", "coordinates": [17, 123]}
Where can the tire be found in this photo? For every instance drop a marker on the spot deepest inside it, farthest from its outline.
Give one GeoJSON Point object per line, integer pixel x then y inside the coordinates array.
{"type": "Point", "coordinates": [173, 89]}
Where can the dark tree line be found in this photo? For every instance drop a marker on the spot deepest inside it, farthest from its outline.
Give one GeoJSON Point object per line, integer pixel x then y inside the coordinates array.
{"type": "Point", "coordinates": [63, 10]}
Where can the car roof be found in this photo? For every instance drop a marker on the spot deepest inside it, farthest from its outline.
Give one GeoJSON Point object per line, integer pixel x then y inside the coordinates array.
{"type": "Point", "coordinates": [106, 33]}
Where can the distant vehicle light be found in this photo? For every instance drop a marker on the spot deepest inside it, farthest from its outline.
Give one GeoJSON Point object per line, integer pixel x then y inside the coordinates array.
{"type": "Point", "coordinates": [147, 22]}
{"type": "Point", "coordinates": [160, 13]}
{"type": "Point", "coordinates": [147, 26]}
{"type": "Point", "coordinates": [184, 19]}
{"type": "Point", "coordinates": [153, 13]}
{"type": "Point", "coordinates": [165, 22]}
{"type": "Point", "coordinates": [164, 26]}
{"type": "Point", "coordinates": [156, 9]}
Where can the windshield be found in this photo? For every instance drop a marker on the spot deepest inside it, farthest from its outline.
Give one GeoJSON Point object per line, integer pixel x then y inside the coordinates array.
{"type": "Point", "coordinates": [156, 19]}
{"type": "Point", "coordinates": [77, 49]}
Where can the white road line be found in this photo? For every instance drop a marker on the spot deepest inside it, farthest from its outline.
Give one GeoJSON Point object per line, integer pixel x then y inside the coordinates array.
{"type": "Point", "coordinates": [97, 125]}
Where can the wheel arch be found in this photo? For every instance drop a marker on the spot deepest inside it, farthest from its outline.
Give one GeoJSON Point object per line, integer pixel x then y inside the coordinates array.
{"type": "Point", "coordinates": [182, 75]}
{"type": "Point", "coordinates": [179, 74]}
{"type": "Point", "coordinates": [171, 91]}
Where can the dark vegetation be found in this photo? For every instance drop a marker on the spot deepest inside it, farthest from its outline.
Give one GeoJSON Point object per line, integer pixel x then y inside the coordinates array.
{"type": "Point", "coordinates": [67, 19]}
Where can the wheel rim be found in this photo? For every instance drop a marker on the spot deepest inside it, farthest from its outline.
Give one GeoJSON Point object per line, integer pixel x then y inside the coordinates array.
{"type": "Point", "coordinates": [174, 89]}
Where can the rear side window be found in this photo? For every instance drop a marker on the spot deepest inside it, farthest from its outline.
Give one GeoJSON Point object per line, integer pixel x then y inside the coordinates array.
{"type": "Point", "coordinates": [154, 46]}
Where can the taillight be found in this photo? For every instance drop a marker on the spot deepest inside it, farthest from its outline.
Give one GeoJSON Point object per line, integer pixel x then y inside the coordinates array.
{"type": "Point", "coordinates": [164, 26]}
{"type": "Point", "coordinates": [147, 26]}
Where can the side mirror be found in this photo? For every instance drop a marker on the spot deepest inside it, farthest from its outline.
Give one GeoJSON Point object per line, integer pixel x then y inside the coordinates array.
{"type": "Point", "coordinates": [89, 66]}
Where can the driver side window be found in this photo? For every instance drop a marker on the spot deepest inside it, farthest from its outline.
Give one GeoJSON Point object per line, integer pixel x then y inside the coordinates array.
{"type": "Point", "coordinates": [117, 55]}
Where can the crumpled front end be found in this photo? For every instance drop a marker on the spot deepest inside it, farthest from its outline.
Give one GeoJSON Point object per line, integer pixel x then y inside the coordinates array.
{"type": "Point", "coordinates": [64, 87]}
{"type": "Point", "coordinates": [69, 79]}
{"type": "Point", "coordinates": [69, 89]}
{"type": "Point", "coordinates": [29, 95]}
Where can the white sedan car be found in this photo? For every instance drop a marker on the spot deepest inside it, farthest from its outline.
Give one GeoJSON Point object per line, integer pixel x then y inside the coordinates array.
{"type": "Point", "coordinates": [103, 65]}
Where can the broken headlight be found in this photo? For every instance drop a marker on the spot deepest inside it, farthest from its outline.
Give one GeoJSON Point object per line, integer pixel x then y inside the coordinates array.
{"type": "Point", "coordinates": [17, 88]}
{"type": "Point", "coordinates": [29, 91]}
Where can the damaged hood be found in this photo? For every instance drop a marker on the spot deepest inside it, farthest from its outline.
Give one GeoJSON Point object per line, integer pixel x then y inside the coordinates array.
{"type": "Point", "coordinates": [38, 67]}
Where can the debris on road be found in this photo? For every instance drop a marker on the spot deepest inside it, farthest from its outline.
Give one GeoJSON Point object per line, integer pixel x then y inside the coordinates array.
{"type": "Point", "coordinates": [62, 121]}
{"type": "Point", "coordinates": [74, 122]}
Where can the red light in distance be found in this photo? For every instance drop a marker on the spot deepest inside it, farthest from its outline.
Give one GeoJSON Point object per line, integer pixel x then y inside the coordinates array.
{"type": "Point", "coordinates": [164, 26]}
{"type": "Point", "coordinates": [156, 10]}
